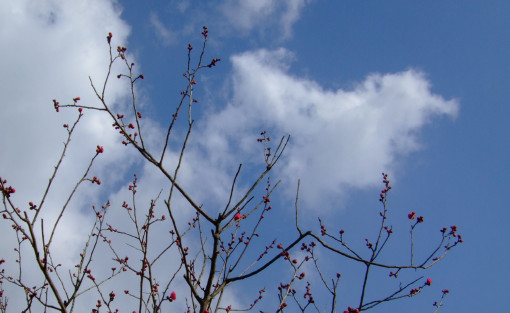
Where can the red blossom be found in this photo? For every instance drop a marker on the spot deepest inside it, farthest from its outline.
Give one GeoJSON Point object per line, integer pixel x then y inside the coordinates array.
{"type": "Point", "coordinates": [411, 215]}
{"type": "Point", "coordinates": [100, 149]}
{"type": "Point", "coordinates": [238, 216]}
{"type": "Point", "coordinates": [173, 296]}
{"type": "Point", "coordinates": [429, 282]}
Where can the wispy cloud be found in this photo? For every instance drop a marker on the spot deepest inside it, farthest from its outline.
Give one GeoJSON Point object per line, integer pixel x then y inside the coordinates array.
{"type": "Point", "coordinates": [263, 14]}
{"type": "Point", "coordinates": [166, 36]}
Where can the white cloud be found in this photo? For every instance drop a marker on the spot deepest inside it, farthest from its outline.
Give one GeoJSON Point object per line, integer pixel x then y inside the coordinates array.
{"type": "Point", "coordinates": [340, 138]}
{"type": "Point", "coordinates": [166, 36]}
{"type": "Point", "coordinates": [51, 48]}
{"type": "Point", "coordinates": [263, 14]}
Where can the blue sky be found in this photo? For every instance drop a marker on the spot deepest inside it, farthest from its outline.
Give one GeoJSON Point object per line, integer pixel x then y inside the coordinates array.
{"type": "Point", "coordinates": [417, 89]}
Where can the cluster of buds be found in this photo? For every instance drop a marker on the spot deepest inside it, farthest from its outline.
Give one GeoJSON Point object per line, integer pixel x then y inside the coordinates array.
{"type": "Point", "coordinates": [308, 294]}
{"type": "Point", "coordinates": [121, 51]}
{"type": "Point", "coordinates": [112, 296]}
{"type": "Point", "coordinates": [261, 295]}
{"type": "Point", "coordinates": [412, 216]}
{"type": "Point", "coordinates": [309, 247]}
{"type": "Point", "coordinates": [264, 137]}
{"type": "Point", "coordinates": [351, 310]}
{"type": "Point", "coordinates": [55, 105]}
{"type": "Point", "coordinates": [205, 31]}
{"type": "Point", "coordinates": [387, 187]}
{"type": "Point", "coordinates": [132, 187]}
{"type": "Point", "coordinates": [213, 62]}
{"type": "Point", "coordinates": [6, 190]}
{"type": "Point", "coordinates": [413, 291]}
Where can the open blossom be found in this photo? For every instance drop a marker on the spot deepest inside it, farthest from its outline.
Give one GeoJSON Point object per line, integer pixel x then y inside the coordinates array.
{"type": "Point", "coordinates": [173, 296]}
{"type": "Point", "coordinates": [411, 215]}
{"type": "Point", "coordinates": [238, 216]}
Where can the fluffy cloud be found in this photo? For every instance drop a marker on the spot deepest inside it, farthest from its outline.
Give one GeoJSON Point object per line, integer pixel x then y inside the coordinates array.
{"type": "Point", "coordinates": [340, 138]}
{"type": "Point", "coordinates": [51, 48]}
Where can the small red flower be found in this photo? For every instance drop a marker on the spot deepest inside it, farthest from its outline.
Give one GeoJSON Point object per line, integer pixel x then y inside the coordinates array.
{"type": "Point", "coordinates": [238, 216]}
{"type": "Point", "coordinates": [99, 149]}
{"type": "Point", "coordinates": [420, 219]}
{"type": "Point", "coordinates": [429, 282]}
{"type": "Point", "coordinates": [173, 296]}
{"type": "Point", "coordinates": [411, 215]}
